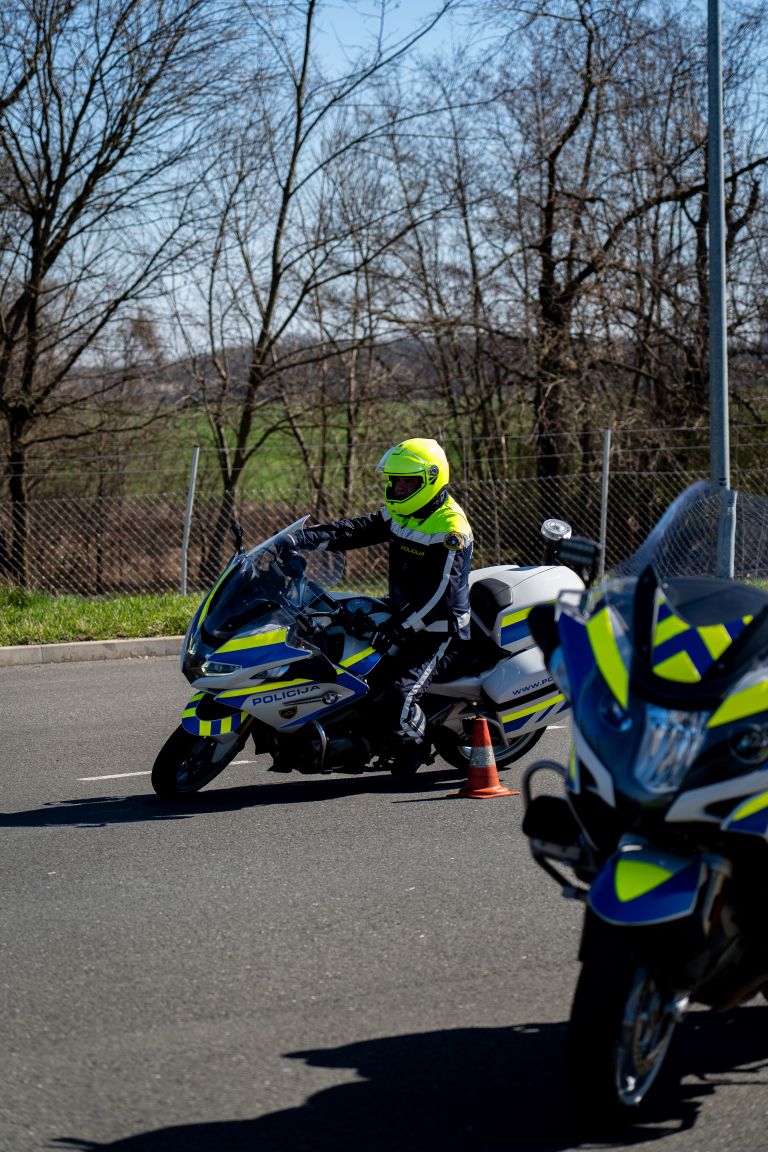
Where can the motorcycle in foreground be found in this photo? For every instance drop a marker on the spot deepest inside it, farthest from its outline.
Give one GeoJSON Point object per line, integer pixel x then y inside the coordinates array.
{"type": "Point", "coordinates": [274, 655]}
{"type": "Point", "coordinates": [661, 827]}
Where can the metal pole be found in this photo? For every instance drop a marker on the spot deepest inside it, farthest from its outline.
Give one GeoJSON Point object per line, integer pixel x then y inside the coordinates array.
{"type": "Point", "coordinates": [188, 517]}
{"type": "Point", "coordinates": [718, 326]}
{"type": "Point", "coordinates": [604, 501]}
{"type": "Point", "coordinates": [726, 540]}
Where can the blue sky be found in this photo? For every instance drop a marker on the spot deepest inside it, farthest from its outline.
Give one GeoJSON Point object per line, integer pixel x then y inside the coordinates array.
{"type": "Point", "coordinates": [351, 24]}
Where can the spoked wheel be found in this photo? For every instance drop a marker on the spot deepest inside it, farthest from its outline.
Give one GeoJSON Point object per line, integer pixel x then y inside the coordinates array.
{"type": "Point", "coordinates": [456, 747]}
{"type": "Point", "coordinates": [186, 763]}
{"type": "Point", "coordinates": [622, 1021]}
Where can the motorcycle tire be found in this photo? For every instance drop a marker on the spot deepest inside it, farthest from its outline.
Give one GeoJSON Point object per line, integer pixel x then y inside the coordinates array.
{"type": "Point", "coordinates": [456, 748]}
{"type": "Point", "coordinates": [186, 763]}
{"type": "Point", "coordinates": [623, 1016]}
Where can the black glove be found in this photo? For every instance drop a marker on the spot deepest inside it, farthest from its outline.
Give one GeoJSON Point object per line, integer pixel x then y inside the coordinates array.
{"type": "Point", "coordinates": [290, 559]}
{"type": "Point", "coordinates": [387, 636]}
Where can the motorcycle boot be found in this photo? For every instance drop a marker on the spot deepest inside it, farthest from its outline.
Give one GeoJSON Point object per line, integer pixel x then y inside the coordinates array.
{"type": "Point", "coordinates": [408, 755]}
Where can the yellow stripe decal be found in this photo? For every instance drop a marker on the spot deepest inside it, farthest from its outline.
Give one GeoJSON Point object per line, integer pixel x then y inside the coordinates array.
{"type": "Point", "coordinates": [668, 628]}
{"type": "Point", "coordinates": [634, 878]}
{"type": "Point", "coordinates": [538, 707]}
{"type": "Point", "coordinates": [515, 617]}
{"type": "Point", "coordinates": [679, 668]}
{"type": "Point", "coordinates": [261, 639]}
{"type": "Point", "coordinates": [749, 807]}
{"type": "Point", "coordinates": [607, 655]}
{"type": "Point", "coordinates": [740, 705]}
{"type": "Point", "coordinates": [261, 689]}
{"type": "Point", "coordinates": [716, 639]}
{"type": "Point", "coordinates": [350, 660]}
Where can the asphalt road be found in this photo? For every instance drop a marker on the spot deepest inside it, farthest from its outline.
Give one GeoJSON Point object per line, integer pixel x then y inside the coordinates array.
{"type": "Point", "coordinates": [288, 964]}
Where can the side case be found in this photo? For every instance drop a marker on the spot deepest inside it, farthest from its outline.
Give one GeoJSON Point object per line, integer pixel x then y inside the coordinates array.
{"type": "Point", "coordinates": [523, 694]}
{"type": "Point", "coordinates": [501, 599]}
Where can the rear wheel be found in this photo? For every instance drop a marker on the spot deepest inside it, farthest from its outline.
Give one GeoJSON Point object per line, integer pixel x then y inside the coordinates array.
{"type": "Point", "coordinates": [623, 1016]}
{"type": "Point", "coordinates": [456, 747]}
{"type": "Point", "coordinates": [186, 763]}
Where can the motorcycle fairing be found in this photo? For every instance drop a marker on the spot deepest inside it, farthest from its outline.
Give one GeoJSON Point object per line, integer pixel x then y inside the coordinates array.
{"type": "Point", "coordinates": [582, 753]}
{"type": "Point", "coordinates": [750, 817]}
{"type": "Point", "coordinates": [578, 653]}
{"type": "Point", "coordinates": [638, 887]}
{"type": "Point", "coordinates": [750, 699]}
{"type": "Point", "coordinates": [217, 726]}
{"type": "Point", "coordinates": [684, 653]}
{"type": "Point", "coordinates": [608, 643]}
{"type": "Point", "coordinates": [361, 662]}
{"type": "Point", "coordinates": [265, 647]}
{"type": "Point", "coordinates": [288, 704]}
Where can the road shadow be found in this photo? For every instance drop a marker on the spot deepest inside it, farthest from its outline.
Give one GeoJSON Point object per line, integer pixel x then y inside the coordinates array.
{"type": "Point", "coordinates": [468, 1090]}
{"type": "Point", "coordinates": [98, 811]}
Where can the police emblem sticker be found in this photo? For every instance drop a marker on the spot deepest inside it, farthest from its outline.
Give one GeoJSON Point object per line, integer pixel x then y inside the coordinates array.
{"type": "Point", "coordinates": [453, 541]}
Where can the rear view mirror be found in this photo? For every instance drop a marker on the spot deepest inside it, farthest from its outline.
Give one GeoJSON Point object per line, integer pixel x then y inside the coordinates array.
{"type": "Point", "coordinates": [582, 555]}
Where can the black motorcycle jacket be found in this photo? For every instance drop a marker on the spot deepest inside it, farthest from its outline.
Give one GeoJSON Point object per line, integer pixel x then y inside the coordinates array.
{"type": "Point", "coordinates": [430, 557]}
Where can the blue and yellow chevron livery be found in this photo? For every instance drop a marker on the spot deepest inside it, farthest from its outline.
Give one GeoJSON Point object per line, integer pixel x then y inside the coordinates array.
{"type": "Point", "coordinates": [220, 726]}
{"type": "Point", "coordinates": [683, 653]}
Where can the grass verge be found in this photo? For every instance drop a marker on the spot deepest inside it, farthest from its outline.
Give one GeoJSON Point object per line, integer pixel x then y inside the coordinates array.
{"type": "Point", "coordinates": [28, 617]}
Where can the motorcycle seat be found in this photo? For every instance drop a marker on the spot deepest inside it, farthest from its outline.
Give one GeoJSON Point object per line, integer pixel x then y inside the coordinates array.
{"type": "Point", "coordinates": [487, 598]}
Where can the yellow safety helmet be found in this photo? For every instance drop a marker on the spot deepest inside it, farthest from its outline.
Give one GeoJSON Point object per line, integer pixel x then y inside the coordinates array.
{"type": "Point", "coordinates": [423, 461]}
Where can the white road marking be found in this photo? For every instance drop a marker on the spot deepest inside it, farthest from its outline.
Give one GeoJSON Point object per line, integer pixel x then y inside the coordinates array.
{"type": "Point", "coordinates": [122, 775]}
{"type": "Point", "coordinates": [116, 776]}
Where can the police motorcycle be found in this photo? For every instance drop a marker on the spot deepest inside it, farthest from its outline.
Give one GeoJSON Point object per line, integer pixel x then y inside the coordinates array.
{"type": "Point", "coordinates": [660, 821]}
{"type": "Point", "coordinates": [273, 654]}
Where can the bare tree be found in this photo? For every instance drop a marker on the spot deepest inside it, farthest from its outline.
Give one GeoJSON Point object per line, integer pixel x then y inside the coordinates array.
{"type": "Point", "coordinates": [100, 108]}
{"type": "Point", "coordinates": [281, 238]}
{"type": "Point", "coordinates": [606, 135]}
{"type": "Point", "coordinates": [449, 287]}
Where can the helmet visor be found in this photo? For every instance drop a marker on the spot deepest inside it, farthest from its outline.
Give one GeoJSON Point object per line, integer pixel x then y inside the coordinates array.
{"type": "Point", "coordinates": [403, 487]}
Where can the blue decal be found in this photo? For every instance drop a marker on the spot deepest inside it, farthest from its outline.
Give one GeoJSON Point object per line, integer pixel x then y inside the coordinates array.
{"type": "Point", "coordinates": [670, 899]}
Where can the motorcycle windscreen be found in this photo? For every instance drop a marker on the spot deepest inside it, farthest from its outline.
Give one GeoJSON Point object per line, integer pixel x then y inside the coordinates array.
{"type": "Point", "coordinates": [642, 887]}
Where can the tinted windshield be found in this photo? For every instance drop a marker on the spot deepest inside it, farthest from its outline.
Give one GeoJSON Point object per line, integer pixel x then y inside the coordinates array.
{"type": "Point", "coordinates": [255, 583]}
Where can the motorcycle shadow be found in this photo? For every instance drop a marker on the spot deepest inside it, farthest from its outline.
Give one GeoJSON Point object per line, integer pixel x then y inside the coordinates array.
{"type": "Point", "coordinates": [461, 1090]}
{"type": "Point", "coordinates": [98, 811]}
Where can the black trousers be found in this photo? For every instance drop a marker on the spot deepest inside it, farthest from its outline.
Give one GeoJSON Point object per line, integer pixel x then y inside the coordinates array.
{"type": "Point", "coordinates": [402, 679]}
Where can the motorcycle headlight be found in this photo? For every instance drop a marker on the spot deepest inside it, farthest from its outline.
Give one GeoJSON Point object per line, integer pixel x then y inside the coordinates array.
{"type": "Point", "coordinates": [276, 672]}
{"type": "Point", "coordinates": [670, 743]}
{"type": "Point", "coordinates": [218, 668]}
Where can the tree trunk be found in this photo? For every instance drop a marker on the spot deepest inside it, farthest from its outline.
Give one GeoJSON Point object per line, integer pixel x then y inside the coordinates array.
{"type": "Point", "coordinates": [17, 491]}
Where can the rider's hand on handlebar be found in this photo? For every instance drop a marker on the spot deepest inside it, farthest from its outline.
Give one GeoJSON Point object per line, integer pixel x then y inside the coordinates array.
{"type": "Point", "coordinates": [290, 559]}
{"type": "Point", "coordinates": [387, 636]}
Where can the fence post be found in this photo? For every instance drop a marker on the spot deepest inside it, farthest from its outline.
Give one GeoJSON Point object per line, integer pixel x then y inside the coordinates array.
{"type": "Point", "coordinates": [188, 518]}
{"type": "Point", "coordinates": [604, 500]}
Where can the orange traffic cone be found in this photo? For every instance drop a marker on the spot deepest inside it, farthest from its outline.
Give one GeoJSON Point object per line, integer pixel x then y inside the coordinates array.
{"type": "Point", "coordinates": [483, 776]}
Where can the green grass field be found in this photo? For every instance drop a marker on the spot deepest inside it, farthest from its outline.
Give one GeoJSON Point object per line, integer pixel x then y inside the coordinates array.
{"type": "Point", "coordinates": [39, 618]}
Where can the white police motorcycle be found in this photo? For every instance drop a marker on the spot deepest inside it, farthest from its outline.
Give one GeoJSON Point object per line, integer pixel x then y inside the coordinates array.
{"type": "Point", "coordinates": [275, 655]}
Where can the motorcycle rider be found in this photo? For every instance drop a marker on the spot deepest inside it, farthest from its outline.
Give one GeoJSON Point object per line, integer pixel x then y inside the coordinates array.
{"type": "Point", "coordinates": [430, 556]}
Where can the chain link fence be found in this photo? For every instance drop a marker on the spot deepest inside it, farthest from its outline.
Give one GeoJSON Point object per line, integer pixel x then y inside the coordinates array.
{"type": "Point", "coordinates": [86, 538]}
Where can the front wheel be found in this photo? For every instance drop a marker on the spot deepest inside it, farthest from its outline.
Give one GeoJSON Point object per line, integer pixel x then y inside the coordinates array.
{"type": "Point", "coordinates": [186, 763]}
{"type": "Point", "coordinates": [623, 1016]}
{"type": "Point", "coordinates": [456, 747]}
